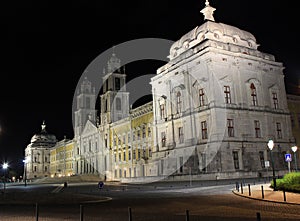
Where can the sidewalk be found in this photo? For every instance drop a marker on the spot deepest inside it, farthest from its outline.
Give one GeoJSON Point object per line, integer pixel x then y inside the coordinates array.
{"type": "Point", "coordinates": [269, 194]}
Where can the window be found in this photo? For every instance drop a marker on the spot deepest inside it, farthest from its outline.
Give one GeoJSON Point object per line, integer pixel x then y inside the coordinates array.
{"type": "Point", "coordinates": [46, 159]}
{"type": "Point", "coordinates": [34, 168]}
{"type": "Point", "coordinates": [257, 129]}
{"type": "Point", "coordinates": [115, 156]}
{"type": "Point", "coordinates": [35, 159]}
{"type": "Point", "coordinates": [262, 159]}
{"type": "Point", "coordinates": [120, 173]}
{"type": "Point", "coordinates": [134, 155]}
{"type": "Point", "coordinates": [253, 95]}
{"type": "Point", "coordinates": [124, 139]}
{"type": "Point", "coordinates": [292, 121]}
{"type": "Point", "coordinates": [139, 135]}
{"type": "Point", "coordinates": [129, 155]}
{"type": "Point", "coordinates": [118, 103]}
{"type": "Point", "coordinates": [150, 152]}
{"type": "Point", "coordinates": [124, 156]}
{"type": "Point", "coordinates": [144, 132]}
{"type": "Point", "coordinates": [88, 103]}
{"type": "Point", "coordinates": [96, 145]}
{"type": "Point", "coordinates": [162, 111]}
{"type": "Point", "coordinates": [117, 84]}
{"type": "Point", "coordinates": [106, 106]}
{"type": "Point", "coordinates": [180, 134]}
{"type": "Point", "coordinates": [128, 138]}
{"type": "Point", "coordinates": [236, 160]}
{"type": "Point", "coordinates": [120, 157]}
{"type": "Point", "coordinates": [90, 145]}
{"type": "Point", "coordinates": [230, 127]}
{"type": "Point", "coordinates": [139, 154]}
{"type": "Point", "coordinates": [204, 129]}
{"type": "Point", "coordinates": [201, 97]}
{"type": "Point", "coordinates": [227, 94]}
{"type": "Point", "coordinates": [149, 132]}
{"type": "Point", "coordinates": [278, 129]}
{"type": "Point", "coordinates": [275, 100]}
{"type": "Point", "coordinates": [178, 102]}
{"type": "Point", "coordinates": [46, 169]}
{"type": "Point", "coordinates": [163, 139]}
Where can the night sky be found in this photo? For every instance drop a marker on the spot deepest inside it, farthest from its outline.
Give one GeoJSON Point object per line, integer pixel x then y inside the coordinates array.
{"type": "Point", "coordinates": [45, 47]}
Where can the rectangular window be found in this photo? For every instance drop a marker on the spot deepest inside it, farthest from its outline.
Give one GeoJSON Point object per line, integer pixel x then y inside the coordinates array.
{"type": "Point", "coordinates": [120, 157]}
{"type": "Point", "coordinates": [275, 100]}
{"type": "Point", "coordinates": [201, 97]}
{"type": "Point", "coordinates": [236, 160]}
{"type": "Point", "coordinates": [163, 139]}
{"type": "Point", "coordinates": [128, 138]}
{"type": "Point", "coordinates": [129, 155]}
{"type": "Point", "coordinates": [262, 159]}
{"type": "Point", "coordinates": [117, 84]}
{"type": "Point", "coordinates": [180, 135]}
{"type": "Point", "coordinates": [162, 111]}
{"type": "Point", "coordinates": [139, 135]}
{"type": "Point", "coordinates": [227, 94]}
{"type": "Point", "coordinates": [149, 132]}
{"type": "Point", "coordinates": [139, 154]}
{"type": "Point", "coordinates": [134, 155]}
{"type": "Point", "coordinates": [230, 127]}
{"type": "Point", "coordinates": [124, 156]}
{"type": "Point", "coordinates": [278, 129]}
{"type": "Point", "coordinates": [204, 129]}
{"type": "Point", "coordinates": [253, 95]}
{"type": "Point", "coordinates": [115, 156]}
{"type": "Point", "coordinates": [257, 129]}
{"type": "Point", "coordinates": [150, 152]}
{"type": "Point", "coordinates": [144, 132]}
{"type": "Point", "coordinates": [178, 102]}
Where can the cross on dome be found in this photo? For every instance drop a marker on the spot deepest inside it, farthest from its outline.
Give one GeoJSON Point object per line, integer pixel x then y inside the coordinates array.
{"type": "Point", "coordinates": [208, 12]}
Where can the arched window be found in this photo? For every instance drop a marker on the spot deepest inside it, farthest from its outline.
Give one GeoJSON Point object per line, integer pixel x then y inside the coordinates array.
{"type": "Point", "coordinates": [253, 95]}
{"type": "Point", "coordinates": [178, 102]}
{"type": "Point", "coordinates": [118, 103]}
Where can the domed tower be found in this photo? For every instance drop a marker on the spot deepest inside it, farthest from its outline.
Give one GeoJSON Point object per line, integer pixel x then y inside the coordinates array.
{"type": "Point", "coordinates": [37, 154]}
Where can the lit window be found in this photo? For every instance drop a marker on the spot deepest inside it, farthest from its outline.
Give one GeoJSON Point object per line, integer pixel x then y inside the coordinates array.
{"type": "Point", "coordinates": [179, 102]}
{"type": "Point", "coordinates": [262, 159]}
{"type": "Point", "coordinates": [180, 135]}
{"type": "Point", "coordinates": [253, 95]}
{"type": "Point", "coordinates": [204, 129]}
{"type": "Point", "coordinates": [257, 129]}
{"type": "Point", "coordinates": [275, 100]}
{"type": "Point", "coordinates": [236, 160]}
{"type": "Point", "coordinates": [162, 111]}
{"type": "Point", "coordinates": [278, 129]}
{"type": "Point", "coordinates": [227, 94]}
{"type": "Point", "coordinates": [230, 127]}
{"type": "Point", "coordinates": [163, 139]}
{"type": "Point", "coordinates": [201, 97]}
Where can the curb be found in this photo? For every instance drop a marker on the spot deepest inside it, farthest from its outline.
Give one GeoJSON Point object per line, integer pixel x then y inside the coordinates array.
{"type": "Point", "coordinates": [264, 200]}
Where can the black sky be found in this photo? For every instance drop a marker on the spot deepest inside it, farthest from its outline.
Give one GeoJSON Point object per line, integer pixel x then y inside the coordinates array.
{"type": "Point", "coordinates": [46, 45]}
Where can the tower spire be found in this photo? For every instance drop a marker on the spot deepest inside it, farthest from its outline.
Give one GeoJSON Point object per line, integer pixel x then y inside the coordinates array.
{"type": "Point", "coordinates": [208, 12]}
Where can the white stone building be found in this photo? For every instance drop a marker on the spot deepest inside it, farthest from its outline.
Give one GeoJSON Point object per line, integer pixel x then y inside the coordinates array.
{"type": "Point", "coordinates": [37, 154]}
{"type": "Point", "coordinates": [217, 103]}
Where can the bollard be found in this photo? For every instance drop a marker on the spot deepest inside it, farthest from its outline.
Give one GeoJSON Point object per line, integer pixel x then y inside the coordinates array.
{"type": "Point", "coordinates": [36, 211]}
{"type": "Point", "coordinates": [284, 196]}
{"type": "Point", "coordinates": [81, 212]}
{"type": "Point", "coordinates": [258, 217]}
{"type": "Point", "coordinates": [187, 215]}
{"type": "Point", "coordinates": [262, 192]}
{"type": "Point", "coordinates": [242, 191]}
{"type": "Point", "coordinates": [129, 214]}
{"type": "Point", "coordinates": [249, 189]}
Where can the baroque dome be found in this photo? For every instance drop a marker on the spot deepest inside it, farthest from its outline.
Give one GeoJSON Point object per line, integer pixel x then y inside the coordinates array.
{"type": "Point", "coordinates": [213, 31]}
{"type": "Point", "coordinates": [43, 138]}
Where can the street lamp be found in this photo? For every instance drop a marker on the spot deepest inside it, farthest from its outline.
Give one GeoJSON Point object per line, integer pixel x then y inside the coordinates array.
{"type": "Point", "coordinates": [294, 149]}
{"type": "Point", "coordinates": [4, 166]}
{"type": "Point", "coordinates": [271, 146]}
{"type": "Point", "coordinates": [25, 171]}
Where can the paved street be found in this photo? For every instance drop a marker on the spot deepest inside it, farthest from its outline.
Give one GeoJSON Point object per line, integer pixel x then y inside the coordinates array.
{"type": "Point", "coordinates": [162, 201]}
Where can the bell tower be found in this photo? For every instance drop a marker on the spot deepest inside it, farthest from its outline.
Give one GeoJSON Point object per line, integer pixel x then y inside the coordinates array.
{"type": "Point", "coordinates": [115, 98]}
{"type": "Point", "coordinates": [85, 109]}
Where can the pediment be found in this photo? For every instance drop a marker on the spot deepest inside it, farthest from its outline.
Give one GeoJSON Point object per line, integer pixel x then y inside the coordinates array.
{"type": "Point", "coordinates": [89, 128]}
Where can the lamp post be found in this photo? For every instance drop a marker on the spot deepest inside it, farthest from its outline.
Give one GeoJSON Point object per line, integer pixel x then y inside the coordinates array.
{"type": "Point", "coordinates": [294, 149]}
{"type": "Point", "coordinates": [271, 146]}
{"type": "Point", "coordinates": [4, 166]}
{"type": "Point", "coordinates": [25, 171]}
